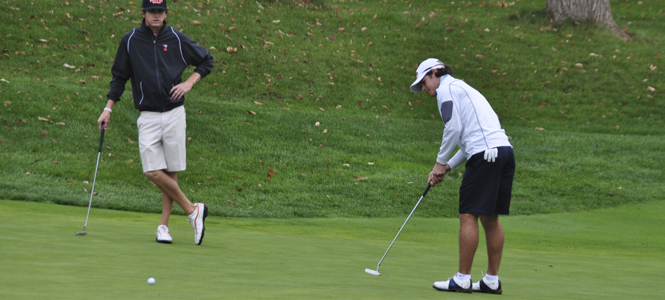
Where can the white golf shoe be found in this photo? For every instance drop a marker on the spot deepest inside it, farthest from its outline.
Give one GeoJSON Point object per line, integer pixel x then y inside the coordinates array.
{"type": "Point", "coordinates": [197, 219]}
{"type": "Point", "coordinates": [489, 287]}
{"type": "Point", "coordinates": [163, 235]}
{"type": "Point", "coordinates": [451, 285]}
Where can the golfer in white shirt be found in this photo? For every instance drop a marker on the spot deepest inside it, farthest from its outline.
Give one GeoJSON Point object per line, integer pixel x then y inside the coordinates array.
{"type": "Point", "coordinates": [471, 125]}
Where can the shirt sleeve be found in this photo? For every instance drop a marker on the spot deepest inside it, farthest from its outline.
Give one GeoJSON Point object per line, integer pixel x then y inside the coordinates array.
{"type": "Point", "coordinates": [451, 132]}
{"type": "Point", "coordinates": [196, 55]}
{"type": "Point", "coordinates": [457, 159]}
{"type": "Point", "coordinates": [121, 71]}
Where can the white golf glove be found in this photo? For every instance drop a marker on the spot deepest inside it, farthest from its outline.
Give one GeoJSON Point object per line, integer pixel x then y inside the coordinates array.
{"type": "Point", "coordinates": [491, 154]}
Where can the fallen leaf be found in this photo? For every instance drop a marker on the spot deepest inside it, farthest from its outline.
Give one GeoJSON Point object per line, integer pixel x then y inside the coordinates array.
{"type": "Point", "coordinates": [8, 103]}
{"type": "Point", "coordinates": [317, 124]}
{"type": "Point", "coordinates": [70, 181]}
{"type": "Point", "coordinates": [130, 141]}
{"type": "Point", "coordinates": [257, 102]}
{"type": "Point", "coordinates": [196, 22]}
{"type": "Point", "coordinates": [540, 128]}
{"type": "Point", "coordinates": [55, 162]}
{"type": "Point", "coordinates": [270, 173]}
{"type": "Point", "coordinates": [332, 37]}
{"type": "Point", "coordinates": [303, 174]}
{"type": "Point", "coordinates": [251, 112]}
{"type": "Point", "coordinates": [43, 119]}
{"type": "Point", "coordinates": [111, 155]}
{"type": "Point", "coordinates": [325, 130]}
{"type": "Point", "coordinates": [361, 179]}
{"type": "Point", "coordinates": [44, 132]}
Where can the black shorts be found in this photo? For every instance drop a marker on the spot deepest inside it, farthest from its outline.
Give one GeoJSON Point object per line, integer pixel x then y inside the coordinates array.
{"type": "Point", "coordinates": [486, 187]}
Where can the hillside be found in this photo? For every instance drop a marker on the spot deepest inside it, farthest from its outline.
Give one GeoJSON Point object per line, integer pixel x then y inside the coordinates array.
{"type": "Point", "coordinates": [307, 112]}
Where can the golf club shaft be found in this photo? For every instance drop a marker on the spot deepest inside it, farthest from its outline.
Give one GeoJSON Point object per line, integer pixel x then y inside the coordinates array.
{"type": "Point", "coordinates": [400, 230]}
{"type": "Point", "coordinates": [94, 180]}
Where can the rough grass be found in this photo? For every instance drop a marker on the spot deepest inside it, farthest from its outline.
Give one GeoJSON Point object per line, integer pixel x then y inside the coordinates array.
{"type": "Point", "coordinates": [586, 128]}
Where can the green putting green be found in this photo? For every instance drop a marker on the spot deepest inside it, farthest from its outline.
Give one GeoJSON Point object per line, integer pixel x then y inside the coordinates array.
{"type": "Point", "coordinates": [613, 253]}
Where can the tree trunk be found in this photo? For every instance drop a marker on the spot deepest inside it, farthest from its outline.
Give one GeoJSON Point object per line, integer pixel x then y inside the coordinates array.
{"type": "Point", "coordinates": [597, 11]}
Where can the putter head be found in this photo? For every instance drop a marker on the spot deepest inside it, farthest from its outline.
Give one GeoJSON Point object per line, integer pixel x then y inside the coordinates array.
{"type": "Point", "coordinates": [81, 233]}
{"type": "Point", "coordinates": [372, 272]}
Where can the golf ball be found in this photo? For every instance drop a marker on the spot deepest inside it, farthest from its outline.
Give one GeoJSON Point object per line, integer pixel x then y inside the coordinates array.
{"type": "Point", "coordinates": [151, 281]}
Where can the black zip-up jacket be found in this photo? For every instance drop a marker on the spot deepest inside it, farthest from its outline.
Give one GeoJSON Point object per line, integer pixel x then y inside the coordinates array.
{"type": "Point", "coordinates": [155, 65]}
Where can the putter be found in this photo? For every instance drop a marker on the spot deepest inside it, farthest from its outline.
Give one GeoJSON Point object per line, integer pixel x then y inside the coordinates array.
{"type": "Point", "coordinates": [99, 154]}
{"type": "Point", "coordinates": [376, 273]}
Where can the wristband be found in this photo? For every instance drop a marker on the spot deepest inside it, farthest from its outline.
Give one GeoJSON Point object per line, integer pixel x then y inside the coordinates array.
{"type": "Point", "coordinates": [107, 109]}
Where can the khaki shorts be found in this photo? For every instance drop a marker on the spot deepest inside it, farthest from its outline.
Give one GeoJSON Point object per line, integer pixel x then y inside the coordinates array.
{"type": "Point", "coordinates": [162, 140]}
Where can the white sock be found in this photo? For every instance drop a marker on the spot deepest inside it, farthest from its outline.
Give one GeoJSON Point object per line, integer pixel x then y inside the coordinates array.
{"type": "Point", "coordinates": [463, 277]}
{"type": "Point", "coordinates": [491, 278]}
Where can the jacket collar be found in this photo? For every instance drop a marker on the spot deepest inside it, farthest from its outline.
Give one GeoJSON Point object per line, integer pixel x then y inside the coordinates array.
{"type": "Point", "coordinates": [147, 29]}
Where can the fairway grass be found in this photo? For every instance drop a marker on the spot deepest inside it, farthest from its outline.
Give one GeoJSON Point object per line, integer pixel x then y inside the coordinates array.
{"type": "Point", "coordinates": [612, 253]}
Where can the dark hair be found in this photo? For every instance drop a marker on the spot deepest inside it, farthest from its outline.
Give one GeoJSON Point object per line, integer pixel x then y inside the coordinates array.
{"type": "Point", "coordinates": [447, 70]}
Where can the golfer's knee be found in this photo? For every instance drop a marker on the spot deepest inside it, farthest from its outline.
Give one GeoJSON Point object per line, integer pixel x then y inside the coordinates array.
{"type": "Point", "coordinates": [490, 221]}
{"type": "Point", "coordinates": [152, 175]}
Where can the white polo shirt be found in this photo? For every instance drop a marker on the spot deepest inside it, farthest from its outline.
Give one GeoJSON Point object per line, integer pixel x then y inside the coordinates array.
{"type": "Point", "coordinates": [470, 122]}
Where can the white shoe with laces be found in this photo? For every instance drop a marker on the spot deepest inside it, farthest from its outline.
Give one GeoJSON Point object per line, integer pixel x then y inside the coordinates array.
{"type": "Point", "coordinates": [197, 219]}
{"type": "Point", "coordinates": [452, 285]}
{"type": "Point", "coordinates": [489, 287]}
{"type": "Point", "coordinates": [163, 235]}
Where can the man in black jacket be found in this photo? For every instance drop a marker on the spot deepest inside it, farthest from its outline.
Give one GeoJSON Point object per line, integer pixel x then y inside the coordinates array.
{"type": "Point", "coordinates": [154, 57]}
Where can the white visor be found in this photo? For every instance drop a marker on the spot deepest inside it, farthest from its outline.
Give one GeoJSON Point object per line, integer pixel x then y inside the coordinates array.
{"type": "Point", "coordinates": [424, 68]}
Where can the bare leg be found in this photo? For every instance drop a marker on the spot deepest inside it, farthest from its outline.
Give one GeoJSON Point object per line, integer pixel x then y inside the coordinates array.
{"type": "Point", "coordinates": [169, 186]}
{"type": "Point", "coordinates": [167, 203]}
{"type": "Point", "coordinates": [468, 241]}
{"type": "Point", "coordinates": [494, 238]}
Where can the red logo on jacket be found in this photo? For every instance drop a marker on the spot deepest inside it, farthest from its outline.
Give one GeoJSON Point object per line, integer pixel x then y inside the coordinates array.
{"type": "Point", "coordinates": [156, 1]}
{"type": "Point", "coordinates": [165, 47]}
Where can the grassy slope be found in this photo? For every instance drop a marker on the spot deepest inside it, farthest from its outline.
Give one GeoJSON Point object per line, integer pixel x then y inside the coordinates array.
{"type": "Point", "coordinates": [570, 255]}
{"type": "Point", "coordinates": [599, 143]}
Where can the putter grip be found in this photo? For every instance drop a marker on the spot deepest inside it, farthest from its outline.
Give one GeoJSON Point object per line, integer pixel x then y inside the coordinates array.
{"type": "Point", "coordinates": [427, 189]}
{"type": "Point", "coordinates": [101, 140]}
